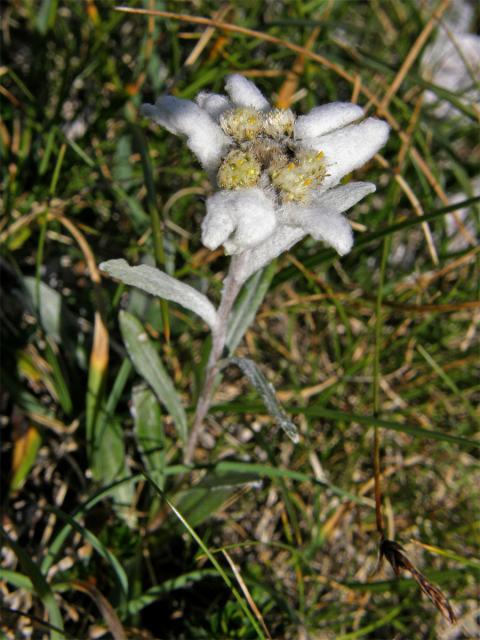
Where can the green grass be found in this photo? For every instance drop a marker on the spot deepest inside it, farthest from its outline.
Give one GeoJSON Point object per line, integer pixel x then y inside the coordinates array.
{"type": "Point", "coordinates": [104, 525]}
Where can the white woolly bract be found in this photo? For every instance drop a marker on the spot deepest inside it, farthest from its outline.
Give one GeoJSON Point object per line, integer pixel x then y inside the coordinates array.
{"type": "Point", "coordinates": [332, 228]}
{"type": "Point", "coordinates": [349, 148]}
{"type": "Point", "coordinates": [160, 284]}
{"type": "Point", "coordinates": [333, 201]}
{"type": "Point", "coordinates": [238, 219]}
{"type": "Point", "coordinates": [281, 240]}
{"type": "Point", "coordinates": [244, 93]}
{"type": "Point", "coordinates": [218, 224]}
{"type": "Point", "coordinates": [341, 198]}
{"type": "Point", "coordinates": [327, 118]}
{"type": "Point", "coordinates": [323, 220]}
{"type": "Point", "coordinates": [213, 103]}
{"type": "Point", "coordinates": [204, 137]}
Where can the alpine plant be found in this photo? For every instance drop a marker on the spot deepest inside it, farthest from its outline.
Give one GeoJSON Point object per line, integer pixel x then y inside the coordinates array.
{"type": "Point", "coordinates": [276, 178]}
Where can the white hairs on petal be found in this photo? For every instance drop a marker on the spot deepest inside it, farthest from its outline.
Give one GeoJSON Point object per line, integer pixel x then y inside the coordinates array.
{"type": "Point", "coordinates": [349, 148]}
{"type": "Point", "coordinates": [204, 136]}
{"type": "Point", "coordinates": [213, 103]}
{"type": "Point", "coordinates": [327, 118]}
{"type": "Point", "coordinates": [244, 93]}
{"type": "Point", "coordinates": [238, 219]}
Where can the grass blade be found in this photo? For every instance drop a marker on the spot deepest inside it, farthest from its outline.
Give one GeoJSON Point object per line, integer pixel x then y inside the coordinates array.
{"type": "Point", "coordinates": [108, 612]}
{"type": "Point", "coordinates": [216, 564]}
{"type": "Point", "coordinates": [159, 590]}
{"type": "Point", "coordinates": [472, 563]}
{"type": "Point", "coordinates": [41, 586]}
{"type": "Point", "coordinates": [378, 624]}
{"type": "Point", "coordinates": [59, 540]}
{"type": "Point", "coordinates": [265, 471]}
{"type": "Point", "coordinates": [25, 450]}
{"type": "Point", "coordinates": [100, 548]}
{"type": "Point", "coordinates": [318, 411]}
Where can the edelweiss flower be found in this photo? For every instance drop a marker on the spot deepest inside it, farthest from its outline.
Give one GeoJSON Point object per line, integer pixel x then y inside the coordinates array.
{"type": "Point", "coordinates": [278, 175]}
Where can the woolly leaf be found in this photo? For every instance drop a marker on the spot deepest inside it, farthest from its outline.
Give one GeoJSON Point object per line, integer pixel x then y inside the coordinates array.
{"type": "Point", "coordinates": [163, 286]}
{"type": "Point", "coordinates": [267, 394]}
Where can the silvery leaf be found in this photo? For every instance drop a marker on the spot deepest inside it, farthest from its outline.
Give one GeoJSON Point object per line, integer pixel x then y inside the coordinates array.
{"type": "Point", "coordinates": [267, 394]}
{"type": "Point", "coordinates": [160, 284]}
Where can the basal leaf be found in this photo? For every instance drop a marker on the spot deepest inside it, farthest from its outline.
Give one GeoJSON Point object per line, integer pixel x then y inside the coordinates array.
{"type": "Point", "coordinates": [147, 362]}
{"type": "Point", "coordinates": [149, 432]}
{"type": "Point", "coordinates": [107, 448]}
{"type": "Point", "coordinates": [49, 305]}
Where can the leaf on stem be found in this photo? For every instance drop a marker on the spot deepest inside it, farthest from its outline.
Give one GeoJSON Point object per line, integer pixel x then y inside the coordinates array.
{"type": "Point", "coordinates": [160, 284]}
{"type": "Point", "coordinates": [267, 394]}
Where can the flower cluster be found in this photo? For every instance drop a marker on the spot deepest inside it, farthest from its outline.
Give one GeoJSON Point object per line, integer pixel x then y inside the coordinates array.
{"type": "Point", "coordinates": [265, 154]}
{"type": "Point", "coordinates": [277, 176]}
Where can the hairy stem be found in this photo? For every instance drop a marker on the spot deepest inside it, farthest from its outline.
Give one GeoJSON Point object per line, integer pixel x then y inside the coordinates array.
{"type": "Point", "coordinates": [231, 288]}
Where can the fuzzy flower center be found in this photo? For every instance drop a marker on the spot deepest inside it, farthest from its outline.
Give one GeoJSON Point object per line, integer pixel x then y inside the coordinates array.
{"type": "Point", "coordinates": [265, 153]}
